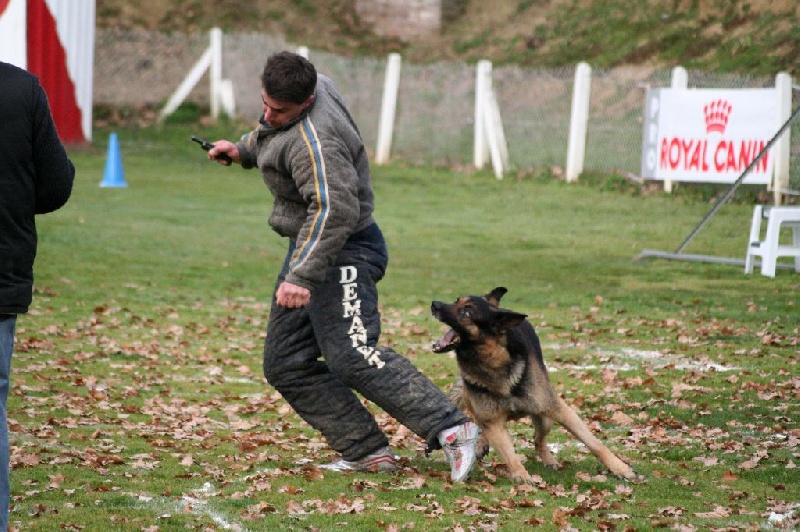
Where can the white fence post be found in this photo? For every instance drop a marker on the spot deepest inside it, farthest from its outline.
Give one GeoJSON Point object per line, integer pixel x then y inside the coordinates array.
{"type": "Point", "coordinates": [489, 135]}
{"type": "Point", "coordinates": [221, 90]}
{"type": "Point", "coordinates": [391, 86]}
{"type": "Point", "coordinates": [302, 51]}
{"type": "Point", "coordinates": [187, 85]}
{"type": "Point", "coordinates": [483, 74]}
{"type": "Point", "coordinates": [492, 135]}
{"type": "Point", "coordinates": [499, 148]}
{"type": "Point", "coordinates": [578, 121]}
{"type": "Point", "coordinates": [783, 147]}
{"type": "Point", "coordinates": [227, 96]}
{"type": "Point", "coordinates": [215, 71]}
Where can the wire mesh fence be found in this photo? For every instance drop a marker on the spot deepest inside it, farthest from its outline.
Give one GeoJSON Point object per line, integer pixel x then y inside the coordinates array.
{"type": "Point", "coordinates": [435, 107]}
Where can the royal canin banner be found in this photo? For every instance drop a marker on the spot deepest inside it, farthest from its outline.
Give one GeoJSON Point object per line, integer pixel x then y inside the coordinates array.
{"type": "Point", "coordinates": [708, 135]}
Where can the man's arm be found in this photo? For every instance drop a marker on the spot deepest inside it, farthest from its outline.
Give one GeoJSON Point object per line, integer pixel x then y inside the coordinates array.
{"type": "Point", "coordinates": [327, 180]}
{"type": "Point", "coordinates": [55, 173]}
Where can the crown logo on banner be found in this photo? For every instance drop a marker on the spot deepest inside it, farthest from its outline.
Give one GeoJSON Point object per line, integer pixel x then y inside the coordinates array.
{"type": "Point", "coordinates": [716, 115]}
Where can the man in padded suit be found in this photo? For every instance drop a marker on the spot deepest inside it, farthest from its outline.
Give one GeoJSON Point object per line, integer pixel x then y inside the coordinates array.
{"type": "Point", "coordinates": [324, 324]}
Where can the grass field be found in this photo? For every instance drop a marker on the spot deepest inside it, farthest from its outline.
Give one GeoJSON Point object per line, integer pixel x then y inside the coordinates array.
{"type": "Point", "coordinates": [138, 401]}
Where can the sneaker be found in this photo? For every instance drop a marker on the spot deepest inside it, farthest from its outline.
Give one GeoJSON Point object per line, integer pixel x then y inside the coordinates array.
{"type": "Point", "coordinates": [459, 445]}
{"type": "Point", "coordinates": [381, 460]}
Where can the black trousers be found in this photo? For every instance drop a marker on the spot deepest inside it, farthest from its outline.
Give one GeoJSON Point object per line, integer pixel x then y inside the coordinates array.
{"type": "Point", "coordinates": [318, 355]}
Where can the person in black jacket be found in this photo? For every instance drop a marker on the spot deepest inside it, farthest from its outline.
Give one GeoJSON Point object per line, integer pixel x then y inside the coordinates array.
{"type": "Point", "coordinates": [36, 177]}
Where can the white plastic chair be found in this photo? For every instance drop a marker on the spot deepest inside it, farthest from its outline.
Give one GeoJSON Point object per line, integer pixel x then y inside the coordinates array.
{"type": "Point", "coordinates": [770, 248]}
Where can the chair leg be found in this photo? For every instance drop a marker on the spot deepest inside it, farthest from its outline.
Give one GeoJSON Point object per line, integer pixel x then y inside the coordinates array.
{"type": "Point", "coordinates": [748, 260]}
{"type": "Point", "coordinates": [755, 235]}
{"type": "Point", "coordinates": [796, 243]}
{"type": "Point", "coordinates": [769, 255]}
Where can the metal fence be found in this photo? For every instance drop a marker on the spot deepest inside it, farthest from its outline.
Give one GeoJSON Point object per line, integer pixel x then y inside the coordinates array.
{"type": "Point", "coordinates": [435, 112]}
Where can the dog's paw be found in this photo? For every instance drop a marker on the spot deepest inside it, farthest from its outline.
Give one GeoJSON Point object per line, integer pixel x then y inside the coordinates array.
{"type": "Point", "coordinates": [522, 477]}
{"type": "Point", "coordinates": [627, 474]}
{"type": "Point", "coordinates": [633, 476]}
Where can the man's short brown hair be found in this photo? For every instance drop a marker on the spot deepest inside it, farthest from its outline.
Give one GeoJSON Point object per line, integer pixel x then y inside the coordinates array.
{"type": "Point", "coordinates": [289, 77]}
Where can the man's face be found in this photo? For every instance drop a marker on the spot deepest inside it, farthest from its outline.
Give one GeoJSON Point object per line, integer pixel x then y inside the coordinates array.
{"type": "Point", "coordinates": [277, 114]}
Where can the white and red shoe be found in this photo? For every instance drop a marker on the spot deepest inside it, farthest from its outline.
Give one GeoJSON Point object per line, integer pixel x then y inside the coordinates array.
{"type": "Point", "coordinates": [459, 444]}
{"type": "Point", "coordinates": [382, 460]}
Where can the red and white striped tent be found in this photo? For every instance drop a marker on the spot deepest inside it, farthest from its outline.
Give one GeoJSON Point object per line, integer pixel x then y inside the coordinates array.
{"type": "Point", "coordinates": [54, 39]}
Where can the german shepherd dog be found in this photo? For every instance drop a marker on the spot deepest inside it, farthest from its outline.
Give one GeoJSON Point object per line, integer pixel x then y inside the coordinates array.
{"type": "Point", "coordinates": [502, 377]}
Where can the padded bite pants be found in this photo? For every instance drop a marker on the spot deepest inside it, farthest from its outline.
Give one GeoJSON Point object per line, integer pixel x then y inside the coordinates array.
{"type": "Point", "coordinates": [317, 355]}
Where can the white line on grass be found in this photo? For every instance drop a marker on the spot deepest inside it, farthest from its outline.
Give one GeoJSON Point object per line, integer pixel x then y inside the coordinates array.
{"type": "Point", "coordinates": [201, 506]}
{"type": "Point", "coordinates": [627, 359]}
{"type": "Point", "coordinates": [781, 519]}
{"type": "Point", "coordinates": [197, 505]}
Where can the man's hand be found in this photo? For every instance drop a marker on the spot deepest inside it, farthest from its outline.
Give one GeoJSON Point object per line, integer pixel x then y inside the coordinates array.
{"type": "Point", "coordinates": [226, 147]}
{"type": "Point", "coordinates": [292, 296]}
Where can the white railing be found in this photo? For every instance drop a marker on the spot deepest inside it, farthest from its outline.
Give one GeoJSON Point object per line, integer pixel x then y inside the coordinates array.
{"type": "Point", "coordinates": [221, 90]}
{"type": "Point", "coordinates": [580, 134]}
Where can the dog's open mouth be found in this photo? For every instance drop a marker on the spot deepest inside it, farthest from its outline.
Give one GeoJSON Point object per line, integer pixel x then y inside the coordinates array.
{"type": "Point", "coordinates": [446, 343]}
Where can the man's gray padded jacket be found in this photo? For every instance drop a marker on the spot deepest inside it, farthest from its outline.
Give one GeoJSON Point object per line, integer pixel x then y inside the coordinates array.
{"type": "Point", "coordinates": [318, 172]}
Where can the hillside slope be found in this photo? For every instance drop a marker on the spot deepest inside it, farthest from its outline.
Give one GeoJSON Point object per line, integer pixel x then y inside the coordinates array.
{"type": "Point", "coordinates": [757, 37]}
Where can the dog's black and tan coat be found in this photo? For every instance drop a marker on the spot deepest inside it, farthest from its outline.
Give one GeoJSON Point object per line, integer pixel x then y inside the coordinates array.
{"type": "Point", "coordinates": [503, 377]}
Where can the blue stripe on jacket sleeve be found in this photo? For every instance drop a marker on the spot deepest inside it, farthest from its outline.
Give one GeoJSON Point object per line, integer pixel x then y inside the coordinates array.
{"type": "Point", "coordinates": [321, 188]}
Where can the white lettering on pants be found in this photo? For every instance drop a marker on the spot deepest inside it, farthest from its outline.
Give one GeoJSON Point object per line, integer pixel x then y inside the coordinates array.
{"type": "Point", "coordinates": [357, 332]}
{"type": "Point", "coordinates": [349, 274]}
{"type": "Point", "coordinates": [351, 307]}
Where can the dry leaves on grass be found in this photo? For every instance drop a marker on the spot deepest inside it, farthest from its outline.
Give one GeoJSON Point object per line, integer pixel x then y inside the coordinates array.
{"type": "Point", "coordinates": [145, 360]}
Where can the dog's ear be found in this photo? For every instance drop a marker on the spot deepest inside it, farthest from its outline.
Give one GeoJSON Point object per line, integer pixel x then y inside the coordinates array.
{"type": "Point", "coordinates": [495, 295]}
{"type": "Point", "coordinates": [505, 319]}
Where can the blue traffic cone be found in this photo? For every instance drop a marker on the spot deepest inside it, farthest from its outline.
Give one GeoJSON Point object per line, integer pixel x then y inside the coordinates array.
{"type": "Point", "coordinates": [114, 175]}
